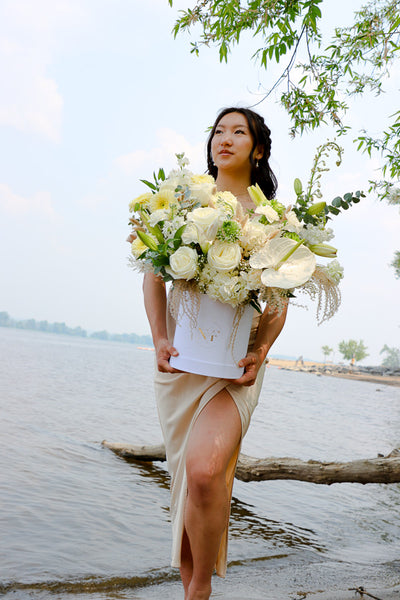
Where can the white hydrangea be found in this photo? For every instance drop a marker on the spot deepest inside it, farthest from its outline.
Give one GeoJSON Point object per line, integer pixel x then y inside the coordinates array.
{"type": "Point", "coordinates": [253, 236]}
{"type": "Point", "coordinates": [334, 270]}
{"type": "Point", "coordinates": [316, 234]}
{"type": "Point", "coordinates": [251, 280]}
{"type": "Point", "coordinates": [228, 288]}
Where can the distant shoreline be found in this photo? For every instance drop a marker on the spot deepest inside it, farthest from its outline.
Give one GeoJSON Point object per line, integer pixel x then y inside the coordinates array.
{"type": "Point", "coordinates": [63, 329]}
{"type": "Point", "coordinates": [332, 370]}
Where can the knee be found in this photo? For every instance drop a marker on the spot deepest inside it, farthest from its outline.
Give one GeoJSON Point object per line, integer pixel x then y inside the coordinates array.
{"type": "Point", "coordinates": [204, 480]}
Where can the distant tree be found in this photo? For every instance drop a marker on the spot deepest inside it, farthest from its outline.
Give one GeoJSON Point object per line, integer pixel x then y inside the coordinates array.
{"type": "Point", "coordinates": [396, 264]}
{"type": "Point", "coordinates": [326, 351]}
{"type": "Point", "coordinates": [353, 349]}
{"type": "Point", "coordinates": [100, 335]}
{"type": "Point", "coordinates": [5, 320]}
{"type": "Point", "coordinates": [392, 358]}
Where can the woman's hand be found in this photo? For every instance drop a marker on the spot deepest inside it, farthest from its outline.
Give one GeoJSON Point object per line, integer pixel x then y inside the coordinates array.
{"type": "Point", "coordinates": [251, 363]}
{"type": "Point", "coordinates": [164, 350]}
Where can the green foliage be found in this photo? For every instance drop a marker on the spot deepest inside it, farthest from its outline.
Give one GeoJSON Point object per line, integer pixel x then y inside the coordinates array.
{"type": "Point", "coordinates": [396, 264]}
{"type": "Point", "coordinates": [392, 358]}
{"type": "Point", "coordinates": [320, 212]}
{"type": "Point", "coordinates": [158, 178]}
{"type": "Point", "coordinates": [355, 61]}
{"type": "Point", "coordinates": [353, 349]}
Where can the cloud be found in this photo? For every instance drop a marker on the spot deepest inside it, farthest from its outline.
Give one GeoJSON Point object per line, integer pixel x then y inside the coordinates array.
{"type": "Point", "coordinates": [16, 205]}
{"type": "Point", "coordinates": [170, 142]}
{"type": "Point", "coordinates": [30, 100]}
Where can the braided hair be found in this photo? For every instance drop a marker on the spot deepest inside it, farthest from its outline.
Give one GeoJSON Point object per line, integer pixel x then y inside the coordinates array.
{"type": "Point", "coordinates": [261, 172]}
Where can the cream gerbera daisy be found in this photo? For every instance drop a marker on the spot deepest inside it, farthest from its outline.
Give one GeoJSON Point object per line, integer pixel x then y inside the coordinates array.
{"type": "Point", "coordinates": [163, 200]}
{"type": "Point", "coordinates": [143, 200]}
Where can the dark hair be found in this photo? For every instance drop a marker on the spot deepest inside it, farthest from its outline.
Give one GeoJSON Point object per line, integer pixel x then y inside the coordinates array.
{"type": "Point", "coordinates": [261, 174]}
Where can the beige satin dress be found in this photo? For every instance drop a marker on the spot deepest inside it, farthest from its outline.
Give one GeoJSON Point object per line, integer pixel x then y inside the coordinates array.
{"type": "Point", "coordinates": [180, 399]}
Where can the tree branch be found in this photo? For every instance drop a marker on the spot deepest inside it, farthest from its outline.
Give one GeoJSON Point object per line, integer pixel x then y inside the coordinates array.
{"type": "Point", "coordinates": [369, 470]}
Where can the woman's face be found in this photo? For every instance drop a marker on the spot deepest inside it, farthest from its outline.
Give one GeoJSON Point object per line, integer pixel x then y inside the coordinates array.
{"type": "Point", "coordinates": [232, 143]}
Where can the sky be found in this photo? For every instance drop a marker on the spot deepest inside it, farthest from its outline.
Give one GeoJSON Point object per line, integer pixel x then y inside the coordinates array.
{"type": "Point", "coordinates": [95, 96]}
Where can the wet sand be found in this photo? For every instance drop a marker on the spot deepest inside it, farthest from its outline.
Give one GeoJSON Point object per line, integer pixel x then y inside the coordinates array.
{"type": "Point", "coordinates": [312, 366]}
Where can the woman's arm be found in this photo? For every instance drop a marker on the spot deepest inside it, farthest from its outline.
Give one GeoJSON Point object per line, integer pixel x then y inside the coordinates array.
{"type": "Point", "coordinates": [269, 328]}
{"type": "Point", "coordinates": [155, 302]}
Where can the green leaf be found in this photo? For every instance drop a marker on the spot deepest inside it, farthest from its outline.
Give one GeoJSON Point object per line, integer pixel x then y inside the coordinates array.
{"type": "Point", "coordinates": [333, 210]}
{"type": "Point", "coordinates": [149, 184]}
{"type": "Point", "coordinates": [337, 201]}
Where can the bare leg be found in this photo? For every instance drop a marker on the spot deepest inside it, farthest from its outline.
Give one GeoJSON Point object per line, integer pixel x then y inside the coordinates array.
{"type": "Point", "coordinates": [213, 441]}
{"type": "Point", "coordinates": [186, 568]}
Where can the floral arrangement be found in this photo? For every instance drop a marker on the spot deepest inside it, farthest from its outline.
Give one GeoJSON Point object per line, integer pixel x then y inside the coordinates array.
{"type": "Point", "coordinates": [188, 232]}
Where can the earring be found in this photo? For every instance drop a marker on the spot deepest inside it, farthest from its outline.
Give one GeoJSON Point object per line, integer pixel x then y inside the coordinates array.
{"type": "Point", "coordinates": [256, 164]}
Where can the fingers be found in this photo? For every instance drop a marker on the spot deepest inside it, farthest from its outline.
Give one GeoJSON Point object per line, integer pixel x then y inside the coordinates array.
{"type": "Point", "coordinates": [248, 360]}
{"type": "Point", "coordinates": [250, 365]}
{"type": "Point", "coordinates": [164, 351]}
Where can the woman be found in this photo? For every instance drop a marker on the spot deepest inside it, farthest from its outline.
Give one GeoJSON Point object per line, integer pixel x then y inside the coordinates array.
{"type": "Point", "coordinates": [203, 418]}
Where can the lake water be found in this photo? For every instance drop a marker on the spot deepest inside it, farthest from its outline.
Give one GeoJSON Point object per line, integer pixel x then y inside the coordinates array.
{"type": "Point", "coordinates": [77, 521]}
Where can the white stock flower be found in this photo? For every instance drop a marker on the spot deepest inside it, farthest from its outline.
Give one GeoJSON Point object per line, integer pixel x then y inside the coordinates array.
{"type": "Point", "coordinates": [182, 159]}
{"type": "Point", "coordinates": [224, 256]}
{"type": "Point", "coordinates": [268, 212]}
{"type": "Point", "coordinates": [171, 227]}
{"type": "Point", "coordinates": [157, 216]}
{"type": "Point", "coordinates": [316, 234]}
{"type": "Point", "coordinates": [292, 222]}
{"type": "Point", "coordinates": [183, 263]}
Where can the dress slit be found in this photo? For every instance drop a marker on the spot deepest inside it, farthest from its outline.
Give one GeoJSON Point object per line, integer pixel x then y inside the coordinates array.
{"type": "Point", "coordinates": [180, 399]}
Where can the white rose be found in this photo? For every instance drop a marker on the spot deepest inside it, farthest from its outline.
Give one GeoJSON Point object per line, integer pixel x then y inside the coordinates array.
{"type": "Point", "coordinates": [202, 188]}
{"type": "Point", "coordinates": [227, 201]}
{"type": "Point", "coordinates": [207, 221]}
{"type": "Point", "coordinates": [224, 256]}
{"type": "Point", "coordinates": [183, 263]}
{"type": "Point", "coordinates": [190, 234]}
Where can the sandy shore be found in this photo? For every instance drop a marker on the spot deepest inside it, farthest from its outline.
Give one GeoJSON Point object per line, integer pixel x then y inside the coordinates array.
{"type": "Point", "coordinates": [315, 367]}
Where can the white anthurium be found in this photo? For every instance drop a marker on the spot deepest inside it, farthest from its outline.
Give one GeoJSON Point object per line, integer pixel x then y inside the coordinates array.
{"type": "Point", "coordinates": [286, 264]}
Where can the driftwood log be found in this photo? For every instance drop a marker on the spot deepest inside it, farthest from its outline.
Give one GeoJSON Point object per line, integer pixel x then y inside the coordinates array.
{"type": "Point", "coordinates": [384, 469]}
